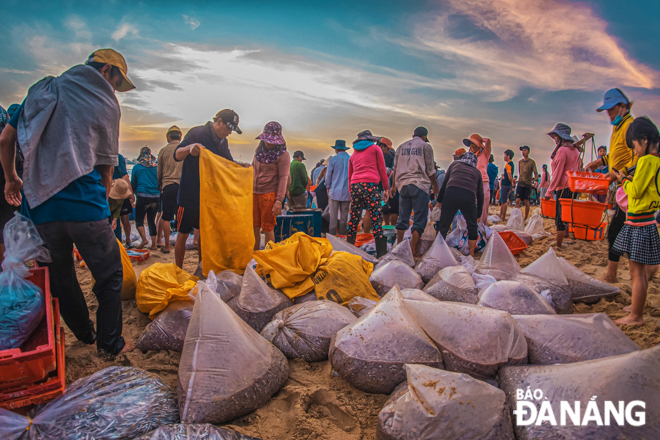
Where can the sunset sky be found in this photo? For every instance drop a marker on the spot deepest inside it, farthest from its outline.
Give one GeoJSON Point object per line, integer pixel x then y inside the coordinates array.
{"type": "Point", "coordinates": [507, 69]}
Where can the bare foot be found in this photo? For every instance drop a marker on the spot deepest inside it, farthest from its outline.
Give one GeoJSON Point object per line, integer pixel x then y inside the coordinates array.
{"type": "Point", "coordinates": [627, 309]}
{"type": "Point", "coordinates": [153, 248]}
{"type": "Point", "coordinates": [629, 320]}
{"type": "Point", "coordinates": [128, 346]}
{"type": "Point", "coordinates": [165, 250]}
{"type": "Point", "coordinates": [607, 279]}
{"type": "Point", "coordinates": [142, 244]}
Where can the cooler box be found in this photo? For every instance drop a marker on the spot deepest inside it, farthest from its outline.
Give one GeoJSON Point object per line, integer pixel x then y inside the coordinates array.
{"type": "Point", "coordinates": [305, 220]}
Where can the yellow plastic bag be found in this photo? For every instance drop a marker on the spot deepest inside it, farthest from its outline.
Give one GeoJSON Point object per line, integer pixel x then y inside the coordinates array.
{"type": "Point", "coordinates": [161, 284]}
{"type": "Point", "coordinates": [342, 277]}
{"type": "Point", "coordinates": [225, 216]}
{"type": "Point", "coordinates": [289, 264]}
{"type": "Point", "coordinates": [130, 280]}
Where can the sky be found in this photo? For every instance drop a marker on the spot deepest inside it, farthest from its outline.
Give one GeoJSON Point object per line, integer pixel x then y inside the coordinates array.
{"type": "Point", "coordinates": [506, 69]}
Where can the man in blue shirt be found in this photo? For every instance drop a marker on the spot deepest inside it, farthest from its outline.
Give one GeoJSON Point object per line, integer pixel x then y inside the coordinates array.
{"type": "Point", "coordinates": [492, 171]}
{"type": "Point", "coordinates": [77, 214]}
{"type": "Point", "coordinates": [336, 180]}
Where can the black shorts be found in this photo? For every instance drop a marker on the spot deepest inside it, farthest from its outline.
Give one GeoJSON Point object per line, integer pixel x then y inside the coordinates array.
{"type": "Point", "coordinates": [168, 201]}
{"type": "Point", "coordinates": [392, 206]}
{"type": "Point", "coordinates": [523, 192]}
{"type": "Point", "coordinates": [186, 220]}
{"type": "Point", "coordinates": [126, 208]}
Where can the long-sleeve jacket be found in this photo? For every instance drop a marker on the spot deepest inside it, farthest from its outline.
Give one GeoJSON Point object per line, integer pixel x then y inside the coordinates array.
{"type": "Point", "coordinates": [643, 191]}
{"type": "Point", "coordinates": [464, 176]}
{"type": "Point", "coordinates": [566, 159]}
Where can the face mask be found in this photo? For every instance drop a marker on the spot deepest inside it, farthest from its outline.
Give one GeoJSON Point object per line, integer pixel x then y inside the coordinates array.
{"type": "Point", "coordinates": [617, 120]}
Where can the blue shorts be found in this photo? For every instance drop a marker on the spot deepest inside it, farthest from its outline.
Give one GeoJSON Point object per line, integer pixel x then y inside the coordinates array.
{"type": "Point", "coordinates": [504, 193]}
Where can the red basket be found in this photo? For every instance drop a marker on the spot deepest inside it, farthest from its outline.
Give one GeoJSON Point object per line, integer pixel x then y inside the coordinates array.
{"type": "Point", "coordinates": [361, 239]}
{"type": "Point", "coordinates": [588, 233]}
{"type": "Point", "coordinates": [591, 183]}
{"type": "Point", "coordinates": [582, 212]}
{"type": "Point", "coordinates": [515, 244]}
{"type": "Point", "coordinates": [42, 392]}
{"type": "Point", "coordinates": [138, 255]}
{"type": "Point", "coordinates": [548, 207]}
{"type": "Point", "coordinates": [37, 356]}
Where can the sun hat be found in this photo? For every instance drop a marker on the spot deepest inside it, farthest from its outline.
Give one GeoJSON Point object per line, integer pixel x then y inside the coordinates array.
{"type": "Point", "coordinates": [340, 145]}
{"type": "Point", "coordinates": [474, 139]}
{"type": "Point", "coordinates": [458, 153]}
{"type": "Point", "coordinates": [120, 190]}
{"type": "Point", "coordinates": [525, 147]}
{"type": "Point", "coordinates": [230, 119]}
{"type": "Point", "coordinates": [299, 154]}
{"type": "Point", "coordinates": [365, 135]}
{"type": "Point", "coordinates": [509, 153]}
{"type": "Point", "coordinates": [421, 132]}
{"type": "Point", "coordinates": [613, 97]}
{"type": "Point", "coordinates": [114, 58]}
{"type": "Point", "coordinates": [272, 133]}
{"type": "Point", "coordinates": [563, 131]}
{"type": "Point", "coordinates": [386, 141]}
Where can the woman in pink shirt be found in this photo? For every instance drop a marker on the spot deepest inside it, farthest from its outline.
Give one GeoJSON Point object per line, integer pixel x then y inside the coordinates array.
{"type": "Point", "coordinates": [545, 181]}
{"type": "Point", "coordinates": [366, 168]}
{"type": "Point", "coordinates": [565, 158]}
{"type": "Point", "coordinates": [481, 147]}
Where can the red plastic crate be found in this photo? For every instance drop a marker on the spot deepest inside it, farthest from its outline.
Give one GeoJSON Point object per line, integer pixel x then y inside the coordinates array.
{"type": "Point", "coordinates": [138, 255]}
{"type": "Point", "coordinates": [582, 212]}
{"type": "Point", "coordinates": [590, 183]}
{"type": "Point", "coordinates": [37, 356]}
{"type": "Point", "coordinates": [588, 233]}
{"type": "Point", "coordinates": [515, 244]}
{"type": "Point", "coordinates": [42, 392]}
{"type": "Point", "coordinates": [548, 207]}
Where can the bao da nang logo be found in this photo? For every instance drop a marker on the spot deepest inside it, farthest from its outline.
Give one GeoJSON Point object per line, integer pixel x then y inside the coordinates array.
{"type": "Point", "coordinates": [595, 412]}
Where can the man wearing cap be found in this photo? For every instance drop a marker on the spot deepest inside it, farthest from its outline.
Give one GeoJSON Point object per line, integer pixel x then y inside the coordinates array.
{"type": "Point", "coordinates": [621, 158]}
{"type": "Point", "coordinates": [69, 132]}
{"type": "Point", "coordinates": [507, 183]}
{"type": "Point", "coordinates": [169, 176]}
{"type": "Point", "coordinates": [481, 147]}
{"type": "Point", "coordinates": [297, 190]}
{"type": "Point", "coordinates": [528, 175]}
{"type": "Point", "coordinates": [211, 136]}
{"type": "Point", "coordinates": [336, 180]}
{"type": "Point", "coordinates": [413, 175]}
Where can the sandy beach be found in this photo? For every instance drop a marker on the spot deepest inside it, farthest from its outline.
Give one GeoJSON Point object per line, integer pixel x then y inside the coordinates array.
{"type": "Point", "coordinates": [314, 403]}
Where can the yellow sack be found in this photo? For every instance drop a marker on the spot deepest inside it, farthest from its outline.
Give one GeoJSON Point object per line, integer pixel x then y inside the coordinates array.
{"type": "Point", "coordinates": [343, 277]}
{"type": "Point", "coordinates": [161, 284]}
{"type": "Point", "coordinates": [225, 216]}
{"type": "Point", "coordinates": [130, 280]}
{"type": "Point", "coordinates": [289, 264]}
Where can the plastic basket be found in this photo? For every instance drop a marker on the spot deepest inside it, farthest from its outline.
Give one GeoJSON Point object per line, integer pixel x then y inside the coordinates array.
{"type": "Point", "coordinates": [515, 244]}
{"type": "Point", "coordinates": [42, 392]}
{"type": "Point", "coordinates": [37, 356]}
{"type": "Point", "coordinates": [548, 208]}
{"type": "Point", "coordinates": [588, 233]}
{"type": "Point", "coordinates": [591, 183]}
{"type": "Point", "coordinates": [138, 255]}
{"type": "Point", "coordinates": [580, 212]}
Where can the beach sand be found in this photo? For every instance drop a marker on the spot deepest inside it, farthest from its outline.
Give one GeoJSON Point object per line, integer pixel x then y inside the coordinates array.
{"type": "Point", "coordinates": [314, 403]}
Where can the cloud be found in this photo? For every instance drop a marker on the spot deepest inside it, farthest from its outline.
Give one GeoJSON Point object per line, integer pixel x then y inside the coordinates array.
{"type": "Point", "coordinates": [194, 24]}
{"type": "Point", "coordinates": [545, 44]}
{"type": "Point", "coordinates": [124, 30]}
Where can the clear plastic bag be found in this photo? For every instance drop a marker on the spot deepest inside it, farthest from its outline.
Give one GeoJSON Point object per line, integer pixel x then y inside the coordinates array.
{"type": "Point", "coordinates": [311, 296]}
{"type": "Point", "coordinates": [194, 432]}
{"type": "Point", "coordinates": [114, 403]}
{"type": "Point", "coordinates": [227, 369]}
{"type": "Point", "coordinates": [524, 236]}
{"type": "Point", "coordinates": [474, 340]}
{"type": "Point", "coordinates": [435, 404]}
{"type": "Point", "coordinates": [168, 330]}
{"type": "Point", "coordinates": [565, 339]}
{"type": "Point", "coordinates": [394, 273]}
{"type": "Point", "coordinates": [227, 284]}
{"type": "Point", "coordinates": [482, 281]}
{"type": "Point", "coordinates": [435, 259]}
{"type": "Point", "coordinates": [497, 260]}
{"type": "Point", "coordinates": [416, 295]}
{"type": "Point", "coordinates": [515, 298]}
{"type": "Point", "coordinates": [359, 306]}
{"type": "Point", "coordinates": [402, 252]}
{"type": "Point", "coordinates": [22, 305]}
{"type": "Point", "coordinates": [453, 284]}
{"type": "Point", "coordinates": [468, 262]}
{"type": "Point", "coordinates": [370, 354]}
{"type": "Point", "coordinates": [339, 245]}
{"type": "Point", "coordinates": [499, 228]}
{"type": "Point", "coordinates": [516, 222]}
{"type": "Point", "coordinates": [535, 227]}
{"type": "Point", "coordinates": [304, 331]}
{"type": "Point", "coordinates": [628, 378]}
{"type": "Point", "coordinates": [435, 214]}
{"type": "Point", "coordinates": [257, 303]}
{"type": "Point", "coordinates": [584, 288]}
{"type": "Point", "coordinates": [426, 239]}
{"type": "Point", "coordinates": [545, 273]}
{"type": "Point", "coordinates": [494, 218]}
{"type": "Point", "coordinates": [559, 297]}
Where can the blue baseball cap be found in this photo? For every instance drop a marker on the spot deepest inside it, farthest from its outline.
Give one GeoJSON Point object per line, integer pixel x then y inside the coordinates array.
{"type": "Point", "coordinates": [612, 98]}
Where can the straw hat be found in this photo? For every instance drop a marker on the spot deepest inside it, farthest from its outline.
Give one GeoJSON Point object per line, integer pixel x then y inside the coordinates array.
{"type": "Point", "coordinates": [120, 190]}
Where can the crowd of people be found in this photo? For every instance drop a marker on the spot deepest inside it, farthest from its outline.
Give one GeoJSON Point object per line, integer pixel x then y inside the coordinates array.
{"type": "Point", "coordinates": [76, 189]}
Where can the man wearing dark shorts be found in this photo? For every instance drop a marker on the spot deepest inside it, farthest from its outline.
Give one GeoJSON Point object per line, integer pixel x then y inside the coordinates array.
{"type": "Point", "coordinates": [120, 172]}
{"type": "Point", "coordinates": [507, 183]}
{"type": "Point", "coordinates": [213, 137]}
{"type": "Point", "coordinates": [169, 175]}
{"type": "Point", "coordinates": [528, 175]}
